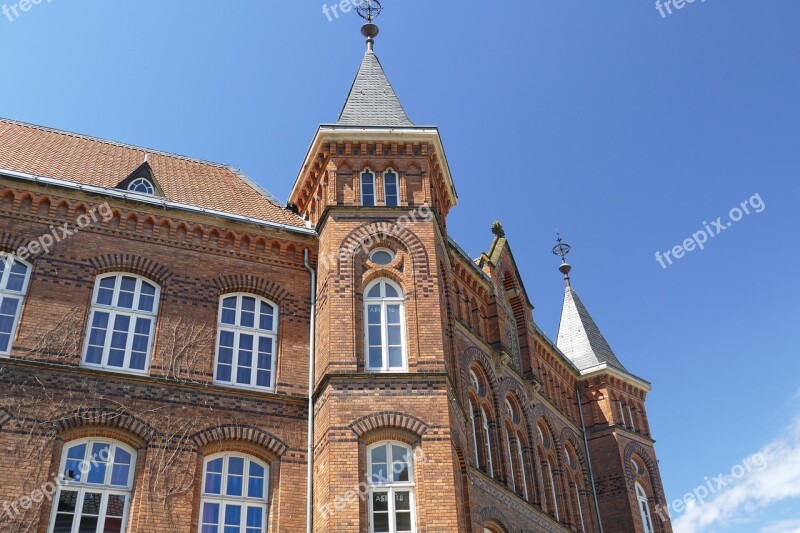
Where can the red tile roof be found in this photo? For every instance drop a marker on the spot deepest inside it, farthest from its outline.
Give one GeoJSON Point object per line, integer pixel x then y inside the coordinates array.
{"type": "Point", "coordinates": [80, 159]}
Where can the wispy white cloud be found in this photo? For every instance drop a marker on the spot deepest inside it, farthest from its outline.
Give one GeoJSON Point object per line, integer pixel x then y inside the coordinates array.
{"type": "Point", "coordinates": [778, 481]}
{"type": "Point", "coordinates": [783, 526]}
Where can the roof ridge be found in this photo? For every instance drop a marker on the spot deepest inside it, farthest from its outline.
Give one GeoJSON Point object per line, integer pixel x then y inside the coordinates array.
{"type": "Point", "coordinates": [151, 151]}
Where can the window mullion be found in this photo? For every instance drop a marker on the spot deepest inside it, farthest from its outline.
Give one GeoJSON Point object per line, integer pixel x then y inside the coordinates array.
{"type": "Point", "coordinates": [126, 361]}
{"type": "Point", "coordinates": [385, 335]}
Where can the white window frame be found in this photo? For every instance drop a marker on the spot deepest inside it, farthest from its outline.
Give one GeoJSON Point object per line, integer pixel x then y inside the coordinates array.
{"type": "Point", "coordinates": [105, 489]}
{"type": "Point", "coordinates": [644, 508]}
{"type": "Point", "coordinates": [392, 487]}
{"type": "Point", "coordinates": [474, 435]}
{"type": "Point", "coordinates": [22, 295]}
{"type": "Point", "coordinates": [256, 332]}
{"type": "Point", "coordinates": [397, 185]}
{"type": "Point", "coordinates": [510, 460]}
{"type": "Point", "coordinates": [374, 187]}
{"type": "Point", "coordinates": [580, 507]}
{"type": "Point", "coordinates": [384, 302]}
{"type": "Point", "coordinates": [633, 422]}
{"type": "Point", "coordinates": [224, 500]}
{"type": "Point", "coordinates": [113, 311]}
{"type": "Point", "coordinates": [488, 438]}
{"type": "Point", "coordinates": [553, 489]}
{"type": "Point", "coordinates": [522, 467]}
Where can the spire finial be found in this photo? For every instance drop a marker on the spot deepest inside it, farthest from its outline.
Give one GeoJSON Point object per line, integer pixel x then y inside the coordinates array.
{"type": "Point", "coordinates": [369, 11]}
{"type": "Point", "coordinates": [497, 229]}
{"type": "Point", "coordinates": [561, 249]}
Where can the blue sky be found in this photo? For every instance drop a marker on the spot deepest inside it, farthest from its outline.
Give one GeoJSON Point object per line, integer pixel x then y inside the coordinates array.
{"type": "Point", "coordinates": [622, 129]}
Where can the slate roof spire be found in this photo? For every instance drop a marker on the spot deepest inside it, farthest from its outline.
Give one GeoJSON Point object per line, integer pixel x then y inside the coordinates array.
{"type": "Point", "coordinates": [579, 338]}
{"type": "Point", "coordinates": [372, 100]}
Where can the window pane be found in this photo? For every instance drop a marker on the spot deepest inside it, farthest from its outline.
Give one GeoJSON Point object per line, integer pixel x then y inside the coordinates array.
{"type": "Point", "coordinates": [67, 501]}
{"type": "Point", "coordinates": [211, 514]}
{"type": "Point", "coordinates": [403, 522]}
{"type": "Point", "coordinates": [233, 517]}
{"type": "Point", "coordinates": [119, 475]}
{"type": "Point", "coordinates": [391, 292]}
{"type": "Point", "coordinates": [116, 505]}
{"type": "Point", "coordinates": [376, 357]}
{"type": "Point", "coordinates": [248, 312]}
{"type": "Point", "coordinates": [63, 523]}
{"type": "Point", "coordinates": [393, 313]}
{"type": "Point", "coordinates": [395, 336]}
{"type": "Point", "coordinates": [236, 466]}
{"type": "Point", "coordinates": [97, 464]}
{"type": "Point", "coordinates": [375, 292]}
{"type": "Point", "coordinates": [105, 295]}
{"type": "Point", "coordinates": [267, 316]}
{"type": "Point", "coordinates": [235, 478]}
{"type": "Point", "coordinates": [255, 486]}
{"type": "Point", "coordinates": [88, 524]}
{"type": "Point", "coordinates": [16, 278]}
{"type": "Point", "coordinates": [91, 504]}
{"type": "Point", "coordinates": [374, 315]}
{"type": "Point", "coordinates": [255, 518]}
{"type": "Point", "coordinates": [396, 357]}
{"type": "Point", "coordinates": [375, 335]}
{"type": "Point", "coordinates": [5, 340]}
{"type": "Point", "coordinates": [400, 468]}
{"type": "Point", "coordinates": [229, 311]}
{"type": "Point", "coordinates": [402, 501]}
{"type": "Point", "coordinates": [147, 297]}
{"type": "Point", "coordinates": [127, 291]}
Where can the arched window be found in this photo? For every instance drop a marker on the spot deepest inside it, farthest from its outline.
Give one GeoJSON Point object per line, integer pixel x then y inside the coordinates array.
{"type": "Point", "coordinates": [576, 474]}
{"type": "Point", "coordinates": [644, 508]}
{"type": "Point", "coordinates": [122, 323]}
{"type": "Point", "coordinates": [95, 495]}
{"type": "Point", "coordinates": [14, 277]}
{"type": "Point", "coordinates": [522, 468]}
{"type": "Point", "coordinates": [367, 188]}
{"type": "Point", "coordinates": [235, 494]}
{"type": "Point", "coordinates": [511, 461]}
{"type": "Point", "coordinates": [391, 188]}
{"type": "Point", "coordinates": [488, 442]}
{"type": "Point", "coordinates": [391, 488]}
{"type": "Point", "coordinates": [246, 342]}
{"type": "Point", "coordinates": [141, 185]}
{"type": "Point", "coordinates": [385, 327]}
{"type": "Point", "coordinates": [473, 415]}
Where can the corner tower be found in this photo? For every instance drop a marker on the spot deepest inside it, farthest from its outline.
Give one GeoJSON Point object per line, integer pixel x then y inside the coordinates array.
{"type": "Point", "coordinates": [630, 494]}
{"type": "Point", "coordinates": [378, 189]}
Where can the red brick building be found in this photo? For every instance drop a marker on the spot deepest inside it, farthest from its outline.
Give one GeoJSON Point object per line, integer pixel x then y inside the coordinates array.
{"type": "Point", "coordinates": [180, 352]}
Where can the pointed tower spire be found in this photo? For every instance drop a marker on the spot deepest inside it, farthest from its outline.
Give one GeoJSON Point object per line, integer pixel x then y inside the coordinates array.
{"type": "Point", "coordinates": [372, 100]}
{"type": "Point", "coordinates": [578, 335]}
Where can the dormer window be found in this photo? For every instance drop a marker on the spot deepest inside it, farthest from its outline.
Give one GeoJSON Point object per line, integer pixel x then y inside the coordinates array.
{"type": "Point", "coordinates": [141, 185]}
{"type": "Point", "coordinates": [368, 188]}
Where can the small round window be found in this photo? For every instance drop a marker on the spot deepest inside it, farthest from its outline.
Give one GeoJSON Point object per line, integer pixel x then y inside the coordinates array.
{"type": "Point", "coordinates": [381, 256]}
{"type": "Point", "coordinates": [141, 185]}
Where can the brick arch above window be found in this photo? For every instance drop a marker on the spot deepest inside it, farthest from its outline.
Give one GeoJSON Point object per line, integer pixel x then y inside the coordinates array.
{"type": "Point", "coordinates": [473, 356]}
{"type": "Point", "coordinates": [257, 285]}
{"type": "Point", "coordinates": [634, 448]}
{"type": "Point", "coordinates": [372, 230]}
{"type": "Point", "coordinates": [10, 242]}
{"type": "Point", "coordinates": [389, 420]}
{"type": "Point", "coordinates": [99, 418]}
{"type": "Point", "coordinates": [567, 437]}
{"type": "Point", "coordinates": [493, 519]}
{"type": "Point", "coordinates": [226, 436]}
{"type": "Point", "coordinates": [133, 264]}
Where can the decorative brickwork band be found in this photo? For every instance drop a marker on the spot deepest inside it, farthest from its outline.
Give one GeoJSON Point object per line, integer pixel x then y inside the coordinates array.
{"type": "Point", "coordinates": [106, 418]}
{"type": "Point", "coordinates": [241, 433]}
{"type": "Point", "coordinates": [252, 284]}
{"type": "Point", "coordinates": [133, 264]}
{"type": "Point", "coordinates": [389, 420]}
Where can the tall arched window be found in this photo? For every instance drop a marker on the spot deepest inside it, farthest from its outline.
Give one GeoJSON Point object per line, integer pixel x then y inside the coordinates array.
{"type": "Point", "coordinates": [391, 488]}
{"type": "Point", "coordinates": [247, 341]}
{"type": "Point", "coordinates": [96, 494]}
{"type": "Point", "coordinates": [367, 188]}
{"type": "Point", "coordinates": [552, 480]}
{"type": "Point", "coordinates": [644, 508]}
{"type": "Point", "coordinates": [122, 323]}
{"type": "Point", "coordinates": [576, 473]}
{"type": "Point", "coordinates": [235, 494]}
{"type": "Point", "coordinates": [391, 188]}
{"type": "Point", "coordinates": [14, 277]}
{"type": "Point", "coordinates": [384, 320]}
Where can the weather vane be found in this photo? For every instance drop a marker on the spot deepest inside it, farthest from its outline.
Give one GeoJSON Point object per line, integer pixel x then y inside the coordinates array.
{"type": "Point", "coordinates": [369, 9]}
{"type": "Point", "coordinates": [561, 249]}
